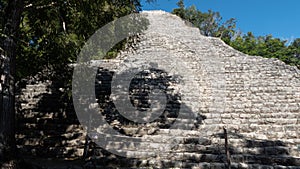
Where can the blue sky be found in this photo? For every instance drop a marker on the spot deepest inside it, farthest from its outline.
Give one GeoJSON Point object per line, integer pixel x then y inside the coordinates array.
{"type": "Point", "coordinates": [281, 18]}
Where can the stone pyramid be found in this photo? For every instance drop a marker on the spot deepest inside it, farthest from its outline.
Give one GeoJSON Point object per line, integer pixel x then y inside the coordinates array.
{"type": "Point", "coordinates": [254, 98]}
{"type": "Point", "coordinates": [201, 86]}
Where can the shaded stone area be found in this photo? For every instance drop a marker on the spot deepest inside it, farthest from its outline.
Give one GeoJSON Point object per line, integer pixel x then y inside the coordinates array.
{"type": "Point", "coordinates": [139, 90]}
{"type": "Point", "coordinates": [47, 125]}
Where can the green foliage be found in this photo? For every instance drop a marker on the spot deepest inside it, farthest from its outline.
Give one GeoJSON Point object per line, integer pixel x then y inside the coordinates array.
{"type": "Point", "coordinates": [210, 23]}
{"type": "Point", "coordinates": [3, 4]}
{"type": "Point", "coordinates": [53, 32]}
{"type": "Point", "coordinates": [295, 48]}
{"type": "Point", "coordinates": [268, 46]}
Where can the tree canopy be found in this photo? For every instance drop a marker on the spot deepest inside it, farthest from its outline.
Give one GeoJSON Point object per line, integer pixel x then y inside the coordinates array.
{"type": "Point", "coordinates": [52, 32]}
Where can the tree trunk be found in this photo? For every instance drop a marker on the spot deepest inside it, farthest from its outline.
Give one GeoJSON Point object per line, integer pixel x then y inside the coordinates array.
{"type": "Point", "coordinates": [7, 82]}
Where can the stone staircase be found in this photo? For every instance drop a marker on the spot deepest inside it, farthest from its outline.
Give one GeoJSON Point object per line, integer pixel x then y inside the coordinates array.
{"type": "Point", "coordinates": [208, 86]}
{"type": "Point", "coordinates": [46, 126]}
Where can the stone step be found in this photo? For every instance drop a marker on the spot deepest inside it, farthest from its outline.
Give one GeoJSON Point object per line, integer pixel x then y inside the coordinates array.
{"type": "Point", "coordinates": [284, 160]}
{"type": "Point", "coordinates": [144, 164]}
{"type": "Point", "coordinates": [50, 152]}
{"type": "Point", "coordinates": [163, 139]}
{"type": "Point", "coordinates": [157, 162]}
{"type": "Point", "coordinates": [242, 165]}
{"type": "Point", "coordinates": [179, 132]}
{"type": "Point", "coordinates": [75, 139]}
{"type": "Point", "coordinates": [262, 143]}
{"type": "Point", "coordinates": [211, 158]}
{"type": "Point", "coordinates": [38, 114]}
{"type": "Point", "coordinates": [46, 122]}
{"type": "Point", "coordinates": [40, 129]}
{"type": "Point", "coordinates": [163, 163]}
{"type": "Point", "coordinates": [274, 150]}
{"type": "Point", "coordinates": [165, 148]}
{"type": "Point", "coordinates": [158, 131]}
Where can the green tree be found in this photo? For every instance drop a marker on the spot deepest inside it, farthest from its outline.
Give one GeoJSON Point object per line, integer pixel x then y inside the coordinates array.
{"type": "Point", "coordinates": [267, 46]}
{"type": "Point", "coordinates": [10, 22]}
{"type": "Point", "coordinates": [52, 33]}
{"type": "Point", "coordinates": [210, 23]}
{"type": "Point", "coordinates": [294, 52]}
{"type": "Point", "coordinates": [181, 10]}
{"type": "Point", "coordinates": [295, 48]}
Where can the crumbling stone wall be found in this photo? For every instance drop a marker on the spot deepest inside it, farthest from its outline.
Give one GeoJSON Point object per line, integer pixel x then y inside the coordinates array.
{"type": "Point", "coordinates": [256, 99]}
